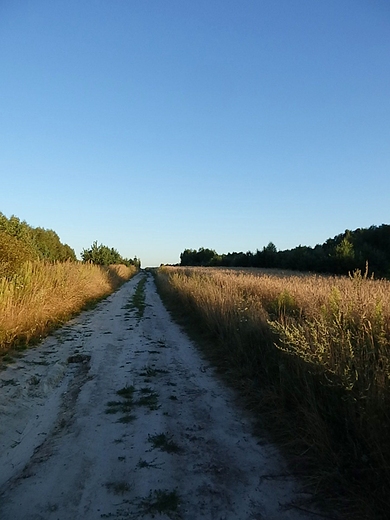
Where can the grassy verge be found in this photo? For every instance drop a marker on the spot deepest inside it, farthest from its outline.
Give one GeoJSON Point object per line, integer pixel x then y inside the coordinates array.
{"type": "Point", "coordinates": [42, 296]}
{"type": "Point", "coordinates": [311, 356]}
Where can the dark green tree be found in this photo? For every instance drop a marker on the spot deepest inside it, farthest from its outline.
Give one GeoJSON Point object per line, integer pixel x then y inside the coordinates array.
{"type": "Point", "coordinates": [103, 255]}
{"type": "Point", "coordinates": [201, 257]}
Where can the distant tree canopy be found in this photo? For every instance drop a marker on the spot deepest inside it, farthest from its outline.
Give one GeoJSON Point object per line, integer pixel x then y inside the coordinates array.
{"type": "Point", "coordinates": [339, 255]}
{"type": "Point", "coordinates": [103, 255]}
{"type": "Point", "coordinates": [201, 257]}
{"type": "Point", "coordinates": [32, 243]}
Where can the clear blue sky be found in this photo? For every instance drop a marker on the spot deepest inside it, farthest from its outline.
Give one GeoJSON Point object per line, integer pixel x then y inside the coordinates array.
{"type": "Point", "coordinates": [153, 126]}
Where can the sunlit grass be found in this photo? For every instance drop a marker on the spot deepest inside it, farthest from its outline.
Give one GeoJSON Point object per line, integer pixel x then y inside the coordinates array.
{"type": "Point", "coordinates": [312, 352]}
{"type": "Point", "coordinates": [44, 295]}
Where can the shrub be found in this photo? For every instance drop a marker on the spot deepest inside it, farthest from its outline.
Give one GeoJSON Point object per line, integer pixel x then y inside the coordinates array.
{"type": "Point", "coordinates": [13, 254]}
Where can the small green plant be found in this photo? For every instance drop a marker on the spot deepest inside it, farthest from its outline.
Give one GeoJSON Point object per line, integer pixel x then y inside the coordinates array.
{"type": "Point", "coordinates": [148, 371]}
{"type": "Point", "coordinates": [138, 299]}
{"type": "Point", "coordinates": [146, 390]}
{"type": "Point", "coordinates": [284, 305]}
{"type": "Point", "coordinates": [148, 398]}
{"type": "Point", "coordinates": [112, 410]}
{"type": "Point", "coordinates": [160, 501]}
{"type": "Point", "coordinates": [126, 392]}
{"type": "Point", "coordinates": [162, 442]}
{"type": "Point", "coordinates": [145, 464]}
{"type": "Point", "coordinates": [7, 382]}
{"type": "Point", "coordinates": [7, 358]}
{"type": "Point", "coordinates": [119, 406]}
{"type": "Point", "coordinates": [125, 406]}
{"type": "Point", "coordinates": [22, 347]}
{"type": "Point", "coordinates": [128, 418]}
{"type": "Point", "coordinates": [114, 403]}
{"type": "Point", "coordinates": [118, 488]}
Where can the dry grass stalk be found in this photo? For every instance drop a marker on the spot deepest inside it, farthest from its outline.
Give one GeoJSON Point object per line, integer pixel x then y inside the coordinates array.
{"type": "Point", "coordinates": [43, 295]}
{"type": "Point", "coordinates": [316, 349]}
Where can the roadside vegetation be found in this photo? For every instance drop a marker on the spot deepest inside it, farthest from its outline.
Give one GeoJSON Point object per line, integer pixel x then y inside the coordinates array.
{"type": "Point", "coordinates": [42, 284]}
{"type": "Point", "coordinates": [310, 354]}
{"type": "Point", "coordinates": [42, 296]}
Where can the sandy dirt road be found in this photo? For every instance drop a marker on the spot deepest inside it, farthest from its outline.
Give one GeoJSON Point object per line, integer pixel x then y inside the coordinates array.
{"type": "Point", "coordinates": [117, 416]}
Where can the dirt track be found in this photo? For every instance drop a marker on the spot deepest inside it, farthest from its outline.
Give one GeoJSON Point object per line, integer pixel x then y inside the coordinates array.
{"type": "Point", "coordinates": [171, 443]}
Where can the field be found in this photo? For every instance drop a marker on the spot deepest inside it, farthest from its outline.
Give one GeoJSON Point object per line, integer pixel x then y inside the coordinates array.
{"type": "Point", "coordinates": [311, 355]}
{"type": "Point", "coordinates": [42, 295]}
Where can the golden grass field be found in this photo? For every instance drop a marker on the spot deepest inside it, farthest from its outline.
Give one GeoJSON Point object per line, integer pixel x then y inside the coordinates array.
{"type": "Point", "coordinates": [43, 295]}
{"type": "Point", "coordinates": [312, 353]}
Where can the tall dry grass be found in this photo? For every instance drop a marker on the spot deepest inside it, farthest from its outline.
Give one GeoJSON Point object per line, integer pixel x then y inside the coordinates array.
{"type": "Point", "coordinates": [43, 295]}
{"type": "Point", "coordinates": [312, 353]}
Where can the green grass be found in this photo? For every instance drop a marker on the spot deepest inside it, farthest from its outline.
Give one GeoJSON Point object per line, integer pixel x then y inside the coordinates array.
{"type": "Point", "coordinates": [126, 419]}
{"type": "Point", "coordinates": [126, 392]}
{"type": "Point", "coordinates": [114, 407]}
{"type": "Point", "coordinates": [145, 464]}
{"type": "Point", "coordinates": [160, 501]}
{"type": "Point", "coordinates": [118, 488]}
{"type": "Point", "coordinates": [149, 398]}
{"type": "Point", "coordinates": [8, 382]}
{"type": "Point", "coordinates": [138, 299]}
{"type": "Point", "coordinates": [125, 406]}
{"type": "Point", "coordinates": [148, 371]}
{"type": "Point", "coordinates": [6, 359]}
{"type": "Point", "coordinates": [163, 442]}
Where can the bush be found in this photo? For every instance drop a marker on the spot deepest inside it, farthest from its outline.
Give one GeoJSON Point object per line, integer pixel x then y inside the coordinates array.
{"type": "Point", "coordinates": [13, 254]}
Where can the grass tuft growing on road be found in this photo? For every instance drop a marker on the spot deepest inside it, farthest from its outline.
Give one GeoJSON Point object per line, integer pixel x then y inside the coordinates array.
{"type": "Point", "coordinates": [160, 501]}
{"type": "Point", "coordinates": [163, 442]}
{"type": "Point", "coordinates": [126, 392]}
{"type": "Point", "coordinates": [138, 299]}
{"type": "Point", "coordinates": [147, 397]}
{"type": "Point", "coordinates": [119, 487]}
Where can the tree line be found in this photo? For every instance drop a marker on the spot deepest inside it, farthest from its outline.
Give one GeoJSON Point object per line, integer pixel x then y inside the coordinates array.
{"type": "Point", "coordinates": [20, 242]}
{"type": "Point", "coordinates": [341, 254]}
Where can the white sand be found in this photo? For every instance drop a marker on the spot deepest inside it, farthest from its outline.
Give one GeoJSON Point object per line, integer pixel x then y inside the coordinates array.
{"type": "Point", "coordinates": [62, 457]}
